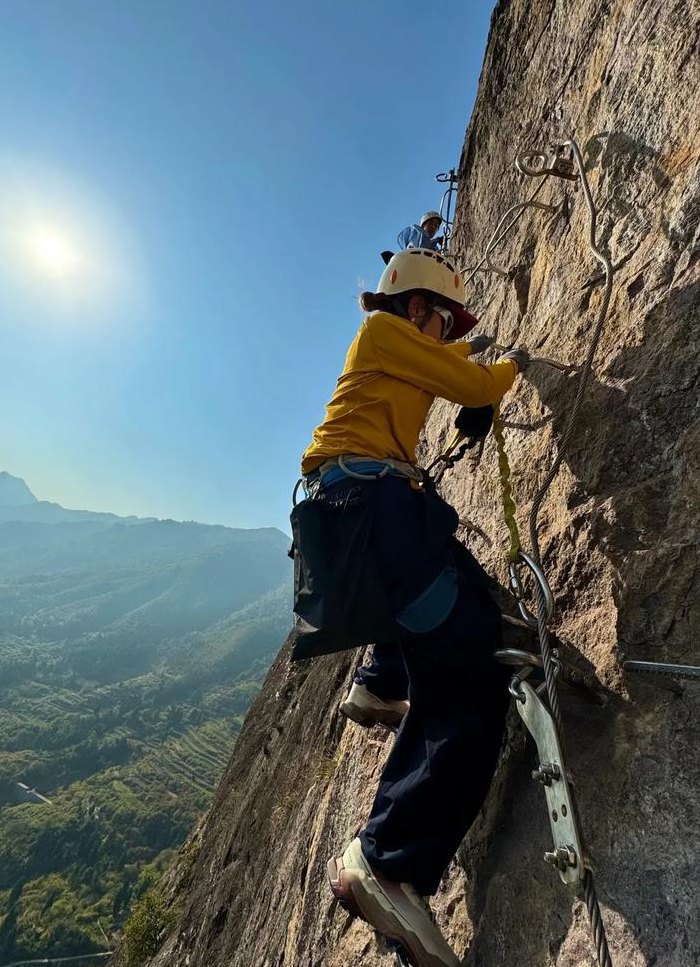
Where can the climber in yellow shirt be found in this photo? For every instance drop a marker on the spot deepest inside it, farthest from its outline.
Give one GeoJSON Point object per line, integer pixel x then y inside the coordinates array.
{"type": "Point", "coordinates": [376, 559]}
{"type": "Point", "coordinates": [393, 372]}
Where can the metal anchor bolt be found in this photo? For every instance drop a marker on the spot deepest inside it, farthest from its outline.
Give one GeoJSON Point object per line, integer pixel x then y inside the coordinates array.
{"type": "Point", "coordinates": [546, 773]}
{"type": "Point", "coordinates": [562, 857]}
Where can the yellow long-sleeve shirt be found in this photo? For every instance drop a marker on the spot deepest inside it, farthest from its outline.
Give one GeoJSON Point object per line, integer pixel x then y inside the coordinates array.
{"type": "Point", "coordinates": [391, 376]}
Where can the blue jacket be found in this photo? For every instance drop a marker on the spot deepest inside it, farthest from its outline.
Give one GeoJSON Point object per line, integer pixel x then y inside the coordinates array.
{"type": "Point", "coordinates": [415, 237]}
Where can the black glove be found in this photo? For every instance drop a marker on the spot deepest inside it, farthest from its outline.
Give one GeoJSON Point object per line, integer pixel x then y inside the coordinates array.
{"type": "Point", "coordinates": [521, 358]}
{"type": "Point", "coordinates": [478, 344]}
{"type": "Point", "coordinates": [474, 421]}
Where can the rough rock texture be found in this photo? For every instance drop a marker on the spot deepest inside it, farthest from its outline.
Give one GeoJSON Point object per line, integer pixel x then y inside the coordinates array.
{"type": "Point", "coordinates": [619, 533]}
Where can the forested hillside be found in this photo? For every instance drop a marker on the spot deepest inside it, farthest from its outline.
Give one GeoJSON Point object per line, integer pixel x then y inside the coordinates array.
{"type": "Point", "coordinates": [129, 653]}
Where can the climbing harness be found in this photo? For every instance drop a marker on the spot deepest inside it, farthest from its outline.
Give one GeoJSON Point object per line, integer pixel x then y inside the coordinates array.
{"type": "Point", "coordinates": [543, 718]}
{"type": "Point", "coordinates": [448, 197]}
{"type": "Point", "coordinates": [356, 467]}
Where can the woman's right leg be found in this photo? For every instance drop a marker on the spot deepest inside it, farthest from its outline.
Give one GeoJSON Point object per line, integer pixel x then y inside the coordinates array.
{"type": "Point", "coordinates": [379, 691]}
{"type": "Point", "coordinates": [440, 769]}
{"type": "Point", "coordinates": [385, 674]}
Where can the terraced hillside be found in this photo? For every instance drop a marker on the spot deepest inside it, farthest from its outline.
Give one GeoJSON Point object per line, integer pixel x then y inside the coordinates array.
{"type": "Point", "coordinates": [129, 653]}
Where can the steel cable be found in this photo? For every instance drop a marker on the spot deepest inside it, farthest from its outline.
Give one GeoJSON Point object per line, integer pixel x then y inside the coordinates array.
{"type": "Point", "coordinates": [587, 365]}
{"type": "Point", "coordinates": [597, 926]}
{"type": "Point", "coordinates": [590, 895]}
{"type": "Point", "coordinates": [550, 664]}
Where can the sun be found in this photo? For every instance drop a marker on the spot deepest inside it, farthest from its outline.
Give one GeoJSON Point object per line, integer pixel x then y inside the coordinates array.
{"type": "Point", "coordinates": [54, 252]}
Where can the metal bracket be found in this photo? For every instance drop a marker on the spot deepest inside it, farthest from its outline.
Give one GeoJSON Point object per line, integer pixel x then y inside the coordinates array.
{"type": "Point", "coordinates": [399, 952]}
{"type": "Point", "coordinates": [535, 164]}
{"type": "Point", "coordinates": [567, 856]}
{"type": "Point", "coordinates": [547, 773]}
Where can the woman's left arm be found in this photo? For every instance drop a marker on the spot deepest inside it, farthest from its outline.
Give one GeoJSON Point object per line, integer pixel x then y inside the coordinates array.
{"type": "Point", "coordinates": [405, 353]}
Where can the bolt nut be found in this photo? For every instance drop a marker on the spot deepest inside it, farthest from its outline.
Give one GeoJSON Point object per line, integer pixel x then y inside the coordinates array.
{"type": "Point", "coordinates": [546, 773]}
{"type": "Point", "coordinates": [562, 858]}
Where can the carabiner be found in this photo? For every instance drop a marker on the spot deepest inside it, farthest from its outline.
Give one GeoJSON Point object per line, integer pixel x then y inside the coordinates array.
{"type": "Point", "coordinates": [518, 591]}
{"type": "Point", "coordinates": [298, 484]}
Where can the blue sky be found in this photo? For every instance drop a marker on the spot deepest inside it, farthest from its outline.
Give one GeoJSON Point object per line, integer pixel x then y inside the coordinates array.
{"type": "Point", "coordinates": [192, 194]}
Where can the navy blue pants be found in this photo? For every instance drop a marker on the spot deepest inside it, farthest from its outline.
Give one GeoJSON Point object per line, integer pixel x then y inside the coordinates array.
{"type": "Point", "coordinates": [385, 675]}
{"type": "Point", "coordinates": [445, 754]}
{"type": "Point", "coordinates": [442, 763]}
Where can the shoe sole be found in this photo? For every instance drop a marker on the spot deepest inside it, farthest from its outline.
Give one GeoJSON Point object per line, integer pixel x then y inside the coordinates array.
{"type": "Point", "coordinates": [367, 718]}
{"type": "Point", "coordinates": [350, 892]}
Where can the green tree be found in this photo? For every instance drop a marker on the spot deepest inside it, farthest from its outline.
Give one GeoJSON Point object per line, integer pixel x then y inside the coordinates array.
{"type": "Point", "coordinates": [146, 928]}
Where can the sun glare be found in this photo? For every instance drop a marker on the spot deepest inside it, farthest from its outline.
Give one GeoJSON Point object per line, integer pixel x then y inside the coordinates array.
{"type": "Point", "coordinates": [54, 253]}
{"type": "Point", "coordinates": [66, 255]}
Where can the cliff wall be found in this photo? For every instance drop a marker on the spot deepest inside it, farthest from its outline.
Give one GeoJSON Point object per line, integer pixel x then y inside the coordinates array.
{"type": "Point", "coordinates": [619, 534]}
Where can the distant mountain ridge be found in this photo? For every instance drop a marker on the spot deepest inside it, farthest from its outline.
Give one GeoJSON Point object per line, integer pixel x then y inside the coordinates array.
{"type": "Point", "coordinates": [41, 537]}
{"type": "Point", "coordinates": [14, 492]}
{"type": "Point", "coordinates": [18, 503]}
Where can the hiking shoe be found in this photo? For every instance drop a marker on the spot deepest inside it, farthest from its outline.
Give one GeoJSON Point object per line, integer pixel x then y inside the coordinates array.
{"type": "Point", "coordinates": [366, 709]}
{"type": "Point", "coordinates": [395, 910]}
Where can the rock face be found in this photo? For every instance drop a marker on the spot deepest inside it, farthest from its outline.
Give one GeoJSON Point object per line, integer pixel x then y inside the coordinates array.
{"type": "Point", "coordinates": [618, 531]}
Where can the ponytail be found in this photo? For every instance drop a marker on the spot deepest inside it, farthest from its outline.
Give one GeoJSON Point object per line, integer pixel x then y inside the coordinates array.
{"type": "Point", "coordinates": [376, 301]}
{"type": "Point", "coordinates": [380, 301]}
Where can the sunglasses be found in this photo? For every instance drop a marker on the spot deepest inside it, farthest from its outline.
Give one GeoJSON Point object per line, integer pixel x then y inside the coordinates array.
{"type": "Point", "coordinates": [447, 320]}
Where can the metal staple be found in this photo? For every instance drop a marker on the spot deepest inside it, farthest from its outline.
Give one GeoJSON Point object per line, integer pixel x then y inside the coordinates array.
{"type": "Point", "coordinates": [493, 241]}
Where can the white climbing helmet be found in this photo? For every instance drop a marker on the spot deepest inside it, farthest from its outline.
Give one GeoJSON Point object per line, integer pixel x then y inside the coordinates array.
{"type": "Point", "coordinates": [430, 215]}
{"type": "Point", "coordinates": [422, 268]}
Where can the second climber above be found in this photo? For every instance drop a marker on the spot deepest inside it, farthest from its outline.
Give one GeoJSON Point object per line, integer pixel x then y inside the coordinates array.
{"type": "Point", "coordinates": [423, 234]}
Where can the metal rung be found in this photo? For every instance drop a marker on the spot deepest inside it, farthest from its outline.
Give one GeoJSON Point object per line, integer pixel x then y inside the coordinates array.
{"type": "Point", "coordinates": [687, 672]}
{"type": "Point", "coordinates": [566, 672]}
{"type": "Point", "coordinates": [518, 656]}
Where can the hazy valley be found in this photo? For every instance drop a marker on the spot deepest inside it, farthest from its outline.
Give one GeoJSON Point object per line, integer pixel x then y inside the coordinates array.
{"type": "Point", "coordinates": [129, 652]}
